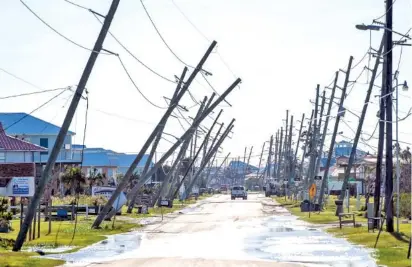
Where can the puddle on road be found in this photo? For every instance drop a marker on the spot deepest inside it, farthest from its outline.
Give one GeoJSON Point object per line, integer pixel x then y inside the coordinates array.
{"type": "Point", "coordinates": [115, 247]}
{"type": "Point", "coordinates": [280, 238]}
{"type": "Point", "coordinates": [283, 238]}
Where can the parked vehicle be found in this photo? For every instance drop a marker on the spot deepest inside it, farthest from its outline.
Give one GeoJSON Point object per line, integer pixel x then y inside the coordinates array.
{"type": "Point", "coordinates": [238, 192]}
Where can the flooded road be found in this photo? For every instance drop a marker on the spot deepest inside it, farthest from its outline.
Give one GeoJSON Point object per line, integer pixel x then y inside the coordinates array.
{"type": "Point", "coordinates": [223, 232]}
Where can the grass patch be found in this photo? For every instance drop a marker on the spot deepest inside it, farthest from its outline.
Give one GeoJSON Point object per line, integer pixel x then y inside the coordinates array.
{"type": "Point", "coordinates": [327, 216]}
{"type": "Point", "coordinates": [391, 249]}
{"type": "Point", "coordinates": [18, 259]}
{"type": "Point", "coordinates": [61, 235]}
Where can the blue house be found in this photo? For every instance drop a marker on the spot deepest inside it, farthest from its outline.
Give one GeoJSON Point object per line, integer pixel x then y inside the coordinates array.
{"type": "Point", "coordinates": [109, 162]}
{"type": "Point", "coordinates": [342, 149]}
{"type": "Point", "coordinates": [42, 133]}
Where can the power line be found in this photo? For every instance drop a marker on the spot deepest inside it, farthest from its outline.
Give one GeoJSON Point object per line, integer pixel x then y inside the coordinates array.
{"type": "Point", "coordinates": [205, 37]}
{"type": "Point", "coordinates": [132, 55]}
{"type": "Point", "coordinates": [34, 110]}
{"type": "Point", "coordinates": [34, 93]}
{"type": "Point", "coordinates": [161, 37]}
{"type": "Point", "coordinates": [210, 85]}
{"type": "Point", "coordinates": [137, 88]}
{"type": "Point", "coordinates": [21, 79]}
{"type": "Point", "coordinates": [57, 32]}
{"type": "Point", "coordinates": [383, 15]}
{"type": "Point", "coordinates": [77, 5]}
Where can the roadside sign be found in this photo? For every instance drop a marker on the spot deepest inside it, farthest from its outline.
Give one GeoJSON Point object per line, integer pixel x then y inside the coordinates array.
{"type": "Point", "coordinates": [312, 191]}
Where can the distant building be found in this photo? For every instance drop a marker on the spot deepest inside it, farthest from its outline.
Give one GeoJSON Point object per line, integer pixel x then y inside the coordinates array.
{"type": "Point", "coordinates": [14, 150]}
{"type": "Point", "coordinates": [109, 162]}
{"type": "Point", "coordinates": [31, 129]}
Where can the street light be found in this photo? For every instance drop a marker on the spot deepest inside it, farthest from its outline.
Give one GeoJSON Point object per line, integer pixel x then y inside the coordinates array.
{"type": "Point", "coordinates": [398, 168]}
{"type": "Point", "coordinates": [364, 27]}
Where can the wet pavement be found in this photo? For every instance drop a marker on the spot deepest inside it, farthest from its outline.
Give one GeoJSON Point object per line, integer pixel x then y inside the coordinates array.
{"type": "Point", "coordinates": [225, 230]}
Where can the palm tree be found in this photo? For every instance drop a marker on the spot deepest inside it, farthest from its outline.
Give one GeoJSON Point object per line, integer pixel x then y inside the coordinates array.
{"type": "Point", "coordinates": [74, 179]}
{"type": "Point", "coordinates": [95, 178]}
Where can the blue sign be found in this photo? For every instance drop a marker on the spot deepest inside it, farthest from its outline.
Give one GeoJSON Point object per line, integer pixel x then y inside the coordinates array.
{"type": "Point", "coordinates": [20, 186]}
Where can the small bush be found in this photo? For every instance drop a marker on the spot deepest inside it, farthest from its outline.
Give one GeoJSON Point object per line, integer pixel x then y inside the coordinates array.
{"type": "Point", "coordinates": [405, 205]}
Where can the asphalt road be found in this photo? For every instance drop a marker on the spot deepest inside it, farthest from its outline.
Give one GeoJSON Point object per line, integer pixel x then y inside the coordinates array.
{"type": "Point", "coordinates": [212, 234]}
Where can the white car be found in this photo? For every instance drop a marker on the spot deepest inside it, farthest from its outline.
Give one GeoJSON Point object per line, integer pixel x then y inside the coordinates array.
{"type": "Point", "coordinates": [238, 192]}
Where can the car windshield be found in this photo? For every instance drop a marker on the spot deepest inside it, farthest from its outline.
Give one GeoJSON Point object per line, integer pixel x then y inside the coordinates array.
{"type": "Point", "coordinates": [238, 188]}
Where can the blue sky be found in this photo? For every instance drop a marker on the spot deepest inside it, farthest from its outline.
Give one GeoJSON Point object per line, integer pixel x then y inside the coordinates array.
{"type": "Point", "coordinates": [280, 49]}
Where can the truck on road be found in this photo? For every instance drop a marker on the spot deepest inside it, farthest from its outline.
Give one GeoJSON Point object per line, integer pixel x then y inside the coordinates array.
{"type": "Point", "coordinates": [238, 192]}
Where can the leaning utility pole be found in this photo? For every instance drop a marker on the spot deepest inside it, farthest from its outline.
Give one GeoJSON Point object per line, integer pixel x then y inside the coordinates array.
{"type": "Point", "coordinates": [269, 157]}
{"type": "Point", "coordinates": [139, 156]}
{"type": "Point", "coordinates": [280, 154]}
{"type": "Point", "coordinates": [208, 156]}
{"type": "Point", "coordinates": [388, 100]}
{"type": "Point", "coordinates": [335, 131]}
{"type": "Point", "coordinates": [295, 156]}
{"type": "Point", "coordinates": [158, 138]}
{"type": "Point", "coordinates": [176, 163]}
{"type": "Point", "coordinates": [260, 161]}
{"type": "Point", "coordinates": [244, 163]}
{"type": "Point", "coordinates": [248, 159]}
{"type": "Point", "coordinates": [325, 126]}
{"type": "Point", "coordinates": [359, 129]}
{"type": "Point", "coordinates": [305, 146]}
{"type": "Point", "coordinates": [65, 127]}
{"type": "Point", "coordinates": [276, 161]}
{"type": "Point", "coordinates": [381, 145]}
{"type": "Point", "coordinates": [313, 145]}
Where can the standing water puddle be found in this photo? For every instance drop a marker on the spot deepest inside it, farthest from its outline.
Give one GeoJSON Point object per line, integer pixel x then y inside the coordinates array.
{"type": "Point", "coordinates": [280, 238]}
{"type": "Point", "coordinates": [283, 238]}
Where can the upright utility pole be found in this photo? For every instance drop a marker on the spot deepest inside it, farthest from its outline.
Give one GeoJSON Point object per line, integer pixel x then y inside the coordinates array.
{"type": "Point", "coordinates": [286, 147]}
{"type": "Point", "coordinates": [65, 127]}
{"type": "Point", "coordinates": [290, 159]}
{"type": "Point", "coordinates": [388, 100]}
{"type": "Point", "coordinates": [361, 120]}
{"type": "Point", "coordinates": [335, 131]}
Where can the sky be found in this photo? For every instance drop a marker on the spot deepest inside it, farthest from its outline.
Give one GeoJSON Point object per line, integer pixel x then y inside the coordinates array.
{"type": "Point", "coordinates": [280, 49]}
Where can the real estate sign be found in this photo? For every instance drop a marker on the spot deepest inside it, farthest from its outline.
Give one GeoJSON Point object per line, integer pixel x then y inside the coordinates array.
{"type": "Point", "coordinates": [107, 191]}
{"type": "Point", "coordinates": [17, 179]}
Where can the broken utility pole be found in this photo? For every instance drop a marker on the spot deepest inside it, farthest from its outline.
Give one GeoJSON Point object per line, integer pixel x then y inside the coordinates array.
{"type": "Point", "coordinates": [65, 127]}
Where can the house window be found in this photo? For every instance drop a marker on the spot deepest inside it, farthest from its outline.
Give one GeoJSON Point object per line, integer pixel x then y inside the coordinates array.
{"type": "Point", "coordinates": [2, 156]}
{"type": "Point", "coordinates": [44, 142]}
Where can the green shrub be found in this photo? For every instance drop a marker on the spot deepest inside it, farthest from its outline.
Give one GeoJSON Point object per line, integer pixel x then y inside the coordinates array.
{"type": "Point", "coordinates": [405, 205]}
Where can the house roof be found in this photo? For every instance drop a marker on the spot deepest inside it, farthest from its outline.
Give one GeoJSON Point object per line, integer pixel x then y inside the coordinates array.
{"type": "Point", "coordinates": [23, 123]}
{"type": "Point", "coordinates": [9, 143]}
{"type": "Point", "coordinates": [91, 158]}
{"type": "Point", "coordinates": [125, 160]}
